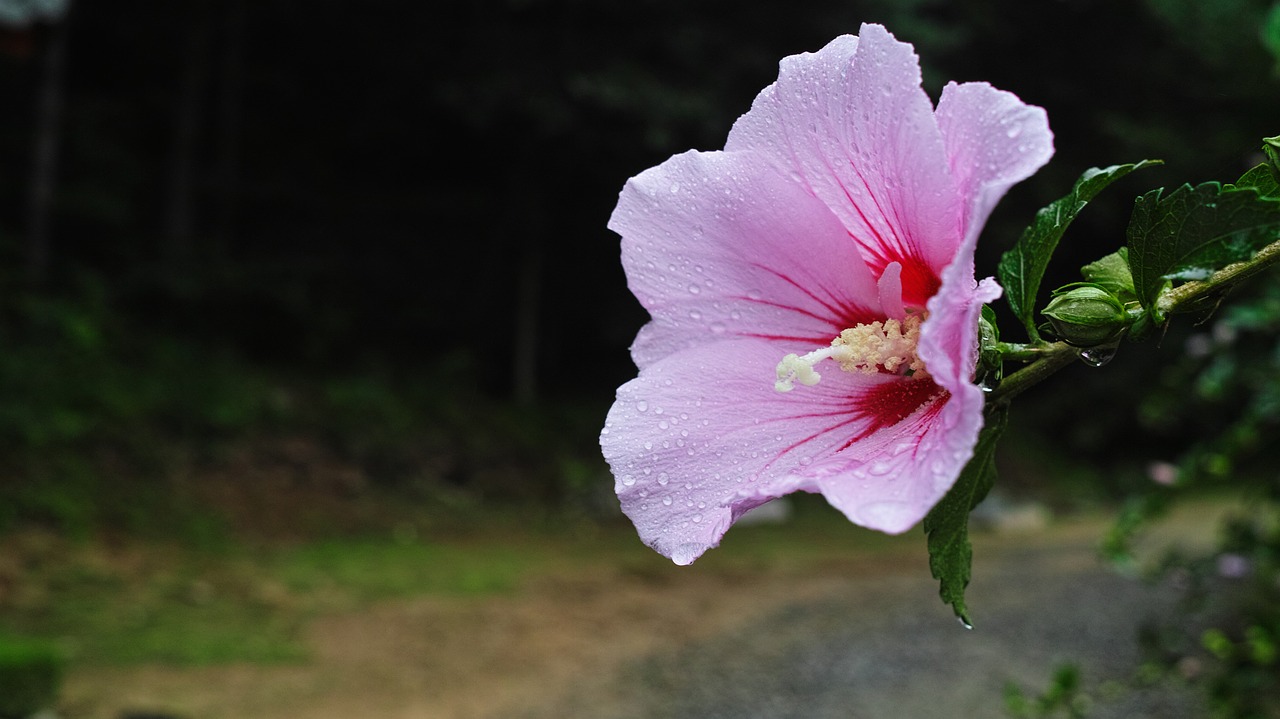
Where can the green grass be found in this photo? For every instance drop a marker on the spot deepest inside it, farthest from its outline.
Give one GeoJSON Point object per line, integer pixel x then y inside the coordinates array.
{"type": "Point", "coordinates": [152, 602]}
{"type": "Point", "coordinates": [372, 569]}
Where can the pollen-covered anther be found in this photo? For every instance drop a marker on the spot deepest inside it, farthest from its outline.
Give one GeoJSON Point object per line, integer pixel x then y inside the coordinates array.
{"type": "Point", "coordinates": [888, 346]}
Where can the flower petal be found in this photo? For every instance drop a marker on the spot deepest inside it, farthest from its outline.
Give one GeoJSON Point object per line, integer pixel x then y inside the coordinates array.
{"type": "Point", "coordinates": [890, 481]}
{"type": "Point", "coordinates": [853, 120]}
{"type": "Point", "coordinates": [993, 141]}
{"type": "Point", "coordinates": [718, 245]}
{"type": "Point", "coordinates": [702, 436]}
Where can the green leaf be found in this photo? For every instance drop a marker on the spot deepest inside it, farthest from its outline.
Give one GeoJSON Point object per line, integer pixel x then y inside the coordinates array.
{"type": "Point", "coordinates": [947, 524]}
{"type": "Point", "coordinates": [1022, 267]}
{"type": "Point", "coordinates": [1112, 274]}
{"type": "Point", "coordinates": [1271, 145]}
{"type": "Point", "coordinates": [1261, 178]}
{"type": "Point", "coordinates": [1195, 231]}
{"type": "Point", "coordinates": [1271, 33]}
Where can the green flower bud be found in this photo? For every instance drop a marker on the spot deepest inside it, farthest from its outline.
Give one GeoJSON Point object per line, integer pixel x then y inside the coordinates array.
{"type": "Point", "coordinates": [1087, 316]}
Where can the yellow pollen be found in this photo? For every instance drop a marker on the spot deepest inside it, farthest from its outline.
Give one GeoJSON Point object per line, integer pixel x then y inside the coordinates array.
{"type": "Point", "coordinates": [867, 348]}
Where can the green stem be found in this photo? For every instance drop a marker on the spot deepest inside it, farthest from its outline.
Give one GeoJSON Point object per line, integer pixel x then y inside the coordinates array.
{"type": "Point", "coordinates": [1171, 300]}
{"type": "Point", "coordinates": [1021, 352]}
{"type": "Point", "coordinates": [1048, 359]}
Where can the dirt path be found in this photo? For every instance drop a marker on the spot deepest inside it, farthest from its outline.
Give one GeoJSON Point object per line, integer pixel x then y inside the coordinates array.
{"type": "Point", "coordinates": [863, 636]}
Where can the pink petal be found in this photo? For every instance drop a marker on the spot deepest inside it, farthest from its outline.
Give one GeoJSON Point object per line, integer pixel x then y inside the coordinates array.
{"type": "Point", "coordinates": [993, 141]}
{"type": "Point", "coordinates": [853, 121]}
{"type": "Point", "coordinates": [702, 436]}
{"type": "Point", "coordinates": [719, 245]}
{"type": "Point", "coordinates": [892, 480]}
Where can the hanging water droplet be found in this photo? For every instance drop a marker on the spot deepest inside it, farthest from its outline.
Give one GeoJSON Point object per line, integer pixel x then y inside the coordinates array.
{"type": "Point", "coordinates": [1097, 356]}
{"type": "Point", "coordinates": [964, 621]}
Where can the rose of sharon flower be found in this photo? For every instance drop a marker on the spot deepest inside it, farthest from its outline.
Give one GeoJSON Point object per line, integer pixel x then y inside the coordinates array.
{"type": "Point", "coordinates": [813, 302]}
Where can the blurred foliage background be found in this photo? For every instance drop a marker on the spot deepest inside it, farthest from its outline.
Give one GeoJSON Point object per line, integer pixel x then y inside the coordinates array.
{"type": "Point", "coordinates": [346, 251]}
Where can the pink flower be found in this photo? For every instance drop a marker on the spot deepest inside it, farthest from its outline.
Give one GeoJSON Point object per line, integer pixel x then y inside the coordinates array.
{"type": "Point", "coordinates": [811, 287]}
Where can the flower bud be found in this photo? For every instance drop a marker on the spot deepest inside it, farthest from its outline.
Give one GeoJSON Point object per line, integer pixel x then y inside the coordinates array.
{"type": "Point", "coordinates": [1087, 316]}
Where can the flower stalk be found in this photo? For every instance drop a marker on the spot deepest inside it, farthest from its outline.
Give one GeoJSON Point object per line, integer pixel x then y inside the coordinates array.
{"type": "Point", "coordinates": [1049, 357]}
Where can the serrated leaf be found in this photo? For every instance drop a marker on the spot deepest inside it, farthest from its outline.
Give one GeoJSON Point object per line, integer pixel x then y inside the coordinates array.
{"type": "Point", "coordinates": [1194, 231]}
{"type": "Point", "coordinates": [1112, 274]}
{"type": "Point", "coordinates": [1261, 178]}
{"type": "Point", "coordinates": [1022, 267]}
{"type": "Point", "coordinates": [947, 524]}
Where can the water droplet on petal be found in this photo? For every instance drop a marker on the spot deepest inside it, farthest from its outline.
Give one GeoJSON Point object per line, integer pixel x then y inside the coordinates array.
{"type": "Point", "coordinates": [694, 289]}
{"type": "Point", "coordinates": [697, 518]}
{"type": "Point", "coordinates": [642, 406]}
{"type": "Point", "coordinates": [664, 425]}
{"type": "Point", "coordinates": [667, 500]}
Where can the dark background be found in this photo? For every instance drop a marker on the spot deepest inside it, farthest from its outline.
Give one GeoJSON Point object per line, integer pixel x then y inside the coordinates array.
{"type": "Point", "coordinates": [381, 225]}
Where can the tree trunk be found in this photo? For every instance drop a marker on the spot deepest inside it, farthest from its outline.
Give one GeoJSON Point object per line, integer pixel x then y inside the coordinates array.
{"type": "Point", "coordinates": [45, 146]}
{"type": "Point", "coordinates": [230, 122]}
{"type": "Point", "coordinates": [180, 213]}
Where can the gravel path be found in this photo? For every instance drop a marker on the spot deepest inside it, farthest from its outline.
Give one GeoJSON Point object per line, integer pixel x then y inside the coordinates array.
{"type": "Point", "coordinates": [859, 636]}
{"type": "Point", "coordinates": [881, 647]}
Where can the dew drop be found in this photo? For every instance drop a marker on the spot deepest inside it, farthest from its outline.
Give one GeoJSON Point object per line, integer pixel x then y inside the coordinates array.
{"type": "Point", "coordinates": [1097, 356]}
{"type": "Point", "coordinates": [664, 425]}
{"type": "Point", "coordinates": [1013, 131]}
{"type": "Point", "coordinates": [667, 500]}
{"type": "Point", "coordinates": [697, 518]}
{"type": "Point", "coordinates": [695, 315]}
{"type": "Point", "coordinates": [694, 289]}
{"type": "Point", "coordinates": [642, 406]}
{"type": "Point", "coordinates": [628, 480]}
{"type": "Point", "coordinates": [675, 186]}
{"type": "Point", "coordinates": [717, 328]}
{"type": "Point", "coordinates": [662, 479]}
